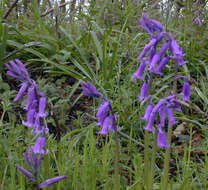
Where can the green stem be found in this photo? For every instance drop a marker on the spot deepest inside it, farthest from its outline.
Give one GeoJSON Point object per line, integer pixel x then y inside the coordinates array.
{"type": "Point", "coordinates": [2, 116]}
{"type": "Point", "coordinates": [117, 178]}
{"type": "Point", "coordinates": [154, 150]}
{"type": "Point", "coordinates": [146, 159]}
{"type": "Point", "coordinates": [166, 162]}
{"type": "Point", "coordinates": [147, 177]}
{"type": "Point", "coordinates": [165, 177]}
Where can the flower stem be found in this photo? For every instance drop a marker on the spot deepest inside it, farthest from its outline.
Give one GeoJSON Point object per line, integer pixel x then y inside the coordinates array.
{"type": "Point", "coordinates": [165, 177]}
{"type": "Point", "coordinates": [146, 159]}
{"type": "Point", "coordinates": [117, 150]}
{"type": "Point", "coordinates": [147, 177]}
{"type": "Point", "coordinates": [154, 150]}
{"type": "Point", "coordinates": [117, 178]}
{"type": "Point", "coordinates": [166, 162]}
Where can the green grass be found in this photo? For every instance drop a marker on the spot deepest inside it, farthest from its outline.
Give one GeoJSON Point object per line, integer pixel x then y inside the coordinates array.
{"type": "Point", "coordinates": [101, 45]}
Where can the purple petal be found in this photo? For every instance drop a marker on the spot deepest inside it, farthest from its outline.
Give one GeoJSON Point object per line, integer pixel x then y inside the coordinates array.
{"type": "Point", "coordinates": [186, 91]}
{"type": "Point", "coordinates": [162, 64]}
{"type": "Point", "coordinates": [161, 102]}
{"type": "Point", "coordinates": [152, 53]}
{"type": "Point", "coordinates": [21, 92]}
{"type": "Point", "coordinates": [22, 67]}
{"type": "Point", "coordinates": [162, 140]}
{"type": "Point", "coordinates": [113, 123]}
{"type": "Point", "coordinates": [31, 96]}
{"type": "Point", "coordinates": [174, 104]}
{"type": "Point", "coordinates": [30, 118]}
{"type": "Point", "coordinates": [176, 48]}
{"type": "Point", "coordinates": [15, 68]}
{"type": "Point", "coordinates": [171, 118]}
{"type": "Point", "coordinates": [150, 25]}
{"type": "Point", "coordinates": [140, 70]}
{"type": "Point", "coordinates": [102, 112]}
{"type": "Point", "coordinates": [162, 112]}
{"type": "Point", "coordinates": [51, 181]}
{"type": "Point", "coordinates": [88, 89]}
{"type": "Point", "coordinates": [42, 106]}
{"type": "Point", "coordinates": [147, 48]}
{"type": "Point", "coordinates": [26, 173]}
{"type": "Point", "coordinates": [155, 60]}
{"type": "Point", "coordinates": [159, 37]}
{"type": "Point", "coordinates": [144, 91]}
{"type": "Point", "coordinates": [106, 123]}
{"type": "Point", "coordinates": [39, 145]}
{"type": "Point", "coordinates": [164, 48]}
{"type": "Point", "coordinates": [38, 128]}
{"type": "Point", "coordinates": [150, 123]}
{"type": "Point", "coordinates": [14, 75]}
{"type": "Point", "coordinates": [147, 112]}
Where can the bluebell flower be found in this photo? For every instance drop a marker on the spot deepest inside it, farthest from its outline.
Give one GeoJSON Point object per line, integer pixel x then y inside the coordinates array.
{"type": "Point", "coordinates": [30, 119]}
{"type": "Point", "coordinates": [31, 96]}
{"type": "Point", "coordinates": [88, 89]}
{"type": "Point", "coordinates": [107, 125]}
{"type": "Point", "coordinates": [138, 74]}
{"type": "Point", "coordinates": [171, 118]}
{"type": "Point", "coordinates": [26, 173]}
{"type": "Point", "coordinates": [42, 106]}
{"type": "Point", "coordinates": [162, 140]}
{"type": "Point", "coordinates": [32, 160]}
{"type": "Point", "coordinates": [144, 91]}
{"type": "Point", "coordinates": [149, 126]}
{"type": "Point", "coordinates": [156, 58]}
{"type": "Point", "coordinates": [147, 47]}
{"type": "Point", "coordinates": [103, 112]}
{"type": "Point", "coordinates": [162, 113]}
{"type": "Point", "coordinates": [147, 112]}
{"type": "Point", "coordinates": [186, 91]}
{"type": "Point", "coordinates": [51, 181]}
{"type": "Point", "coordinates": [18, 70]}
{"type": "Point", "coordinates": [161, 66]}
{"type": "Point", "coordinates": [38, 148]}
{"type": "Point", "coordinates": [22, 90]}
{"type": "Point", "coordinates": [150, 25]}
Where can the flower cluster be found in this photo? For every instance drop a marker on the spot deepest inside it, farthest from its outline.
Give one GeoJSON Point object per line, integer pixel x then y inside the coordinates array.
{"type": "Point", "coordinates": [155, 63]}
{"type": "Point", "coordinates": [105, 115]}
{"type": "Point", "coordinates": [35, 107]}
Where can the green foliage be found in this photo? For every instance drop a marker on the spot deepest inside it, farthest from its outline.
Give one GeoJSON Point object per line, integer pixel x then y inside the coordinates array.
{"type": "Point", "coordinates": [99, 42]}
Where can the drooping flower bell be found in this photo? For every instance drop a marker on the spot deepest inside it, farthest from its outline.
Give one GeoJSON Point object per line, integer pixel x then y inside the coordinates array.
{"type": "Point", "coordinates": [147, 112]}
{"type": "Point", "coordinates": [105, 115]}
{"type": "Point", "coordinates": [88, 89]}
{"type": "Point", "coordinates": [138, 74]}
{"type": "Point", "coordinates": [150, 25]}
{"type": "Point", "coordinates": [51, 181]}
{"type": "Point", "coordinates": [149, 126]}
{"type": "Point", "coordinates": [144, 91]}
{"type": "Point", "coordinates": [186, 91]}
{"type": "Point", "coordinates": [26, 173]}
{"type": "Point", "coordinates": [38, 148]}
{"type": "Point", "coordinates": [103, 112]}
{"type": "Point", "coordinates": [162, 139]}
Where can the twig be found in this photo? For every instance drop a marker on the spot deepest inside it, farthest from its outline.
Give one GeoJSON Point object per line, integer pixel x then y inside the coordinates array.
{"type": "Point", "coordinates": [10, 9]}
{"type": "Point", "coordinates": [51, 10]}
{"type": "Point", "coordinates": [194, 108]}
{"type": "Point", "coordinates": [121, 133]}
